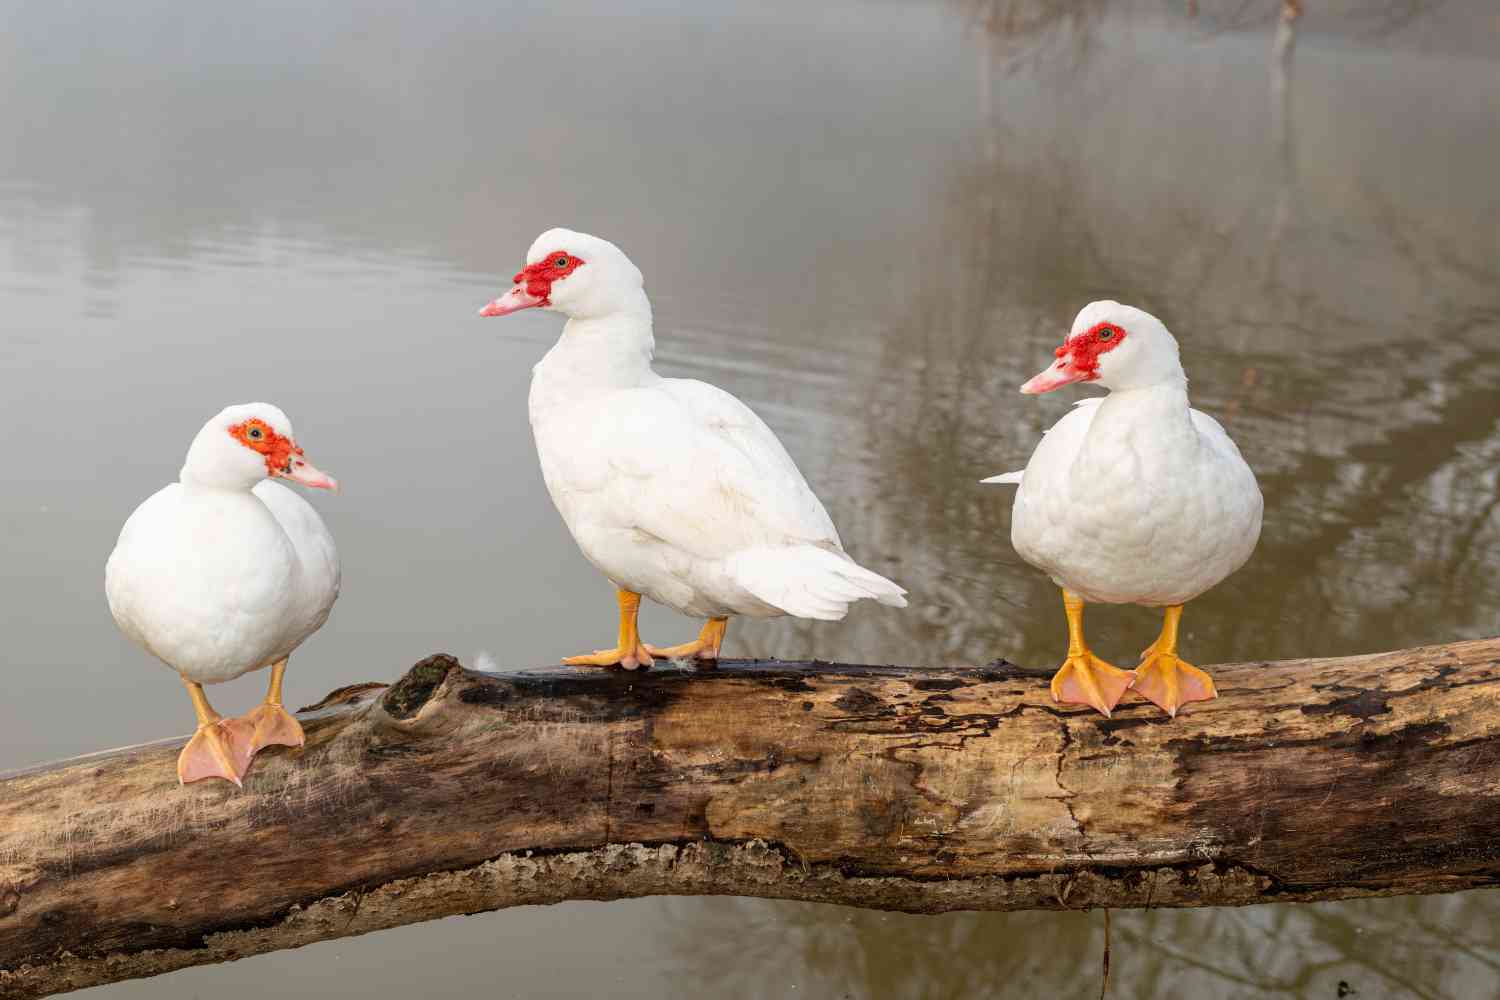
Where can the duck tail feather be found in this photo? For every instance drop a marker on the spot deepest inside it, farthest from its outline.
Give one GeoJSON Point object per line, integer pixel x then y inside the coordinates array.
{"type": "Point", "coordinates": [811, 582]}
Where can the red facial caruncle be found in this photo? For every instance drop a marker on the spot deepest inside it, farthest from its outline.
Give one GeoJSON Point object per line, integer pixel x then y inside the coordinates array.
{"type": "Point", "coordinates": [533, 284]}
{"type": "Point", "coordinates": [1077, 358]}
{"type": "Point", "coordinates": [1101, 338]}
{"type": "Point", "coordinates": [538, 277]}
{"type": "Point", "coordinates": [283, 457]}
{"type": "Point", "coordinates": [257, 435]}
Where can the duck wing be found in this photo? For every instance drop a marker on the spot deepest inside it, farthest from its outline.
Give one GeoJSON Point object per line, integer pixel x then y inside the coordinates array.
{"type": "Point", "coordinates": [691, 466]}
{"type": "Point", "coordinates": [317, 557]}
{"type": "Point", "coordinates": [1059, 444]}
{"type": "Point", "coordinates": [1215, 436]}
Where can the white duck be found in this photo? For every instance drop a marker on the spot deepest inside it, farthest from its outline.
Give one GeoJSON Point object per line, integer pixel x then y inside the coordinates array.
{"type": "Point", "coordinates": [673, 488]}
{"type": "Point", "coordinates": [225, 572]}
{"type": "Point", "coordinates": [1132, 498]}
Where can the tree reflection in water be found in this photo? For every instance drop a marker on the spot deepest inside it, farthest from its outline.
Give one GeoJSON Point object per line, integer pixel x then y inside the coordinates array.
{"type": "Point", "coordinates": [1339, 316]}
{"type": "Point", "coordinates": [1434, 946]}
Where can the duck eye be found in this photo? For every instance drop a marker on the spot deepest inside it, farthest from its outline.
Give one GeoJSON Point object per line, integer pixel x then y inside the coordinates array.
{"type": "Point", "coordinates": [1106, 334]}
{"type": "Point", "coordinates": [256, 434]}
{"type": "Point", "coordinates": [560, 262]}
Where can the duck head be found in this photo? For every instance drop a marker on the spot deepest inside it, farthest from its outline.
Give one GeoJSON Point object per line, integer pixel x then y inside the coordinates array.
{"type": "Point", "coordinates": [1117, 346]}
{"type": "Point", "coordinates": [578, 275]}
{"type": "Point", "coordinates": [245, 444]}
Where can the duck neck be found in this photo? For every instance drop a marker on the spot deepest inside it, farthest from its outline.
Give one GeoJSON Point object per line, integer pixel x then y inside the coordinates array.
{"type": "Point", "coordinates": [211, 465]}
{"type": "Point", "coordinates": [594, 353]}
{"type": "Point", "coordinates": [1167, 391]}
{"type": "Point", "coordinates": [1164, 404]}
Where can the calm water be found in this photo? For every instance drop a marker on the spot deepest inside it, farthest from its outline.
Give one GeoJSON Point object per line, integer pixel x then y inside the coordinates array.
{"type": "Point", "coordinates": [871, 221]}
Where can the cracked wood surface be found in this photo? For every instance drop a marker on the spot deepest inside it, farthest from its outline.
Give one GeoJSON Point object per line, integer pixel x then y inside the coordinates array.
{"type": "Point", "coordinates": [889, 787]}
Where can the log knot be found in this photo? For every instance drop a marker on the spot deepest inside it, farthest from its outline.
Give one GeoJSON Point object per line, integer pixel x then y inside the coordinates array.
{"type": "Point", "coordinates": [407, 696]}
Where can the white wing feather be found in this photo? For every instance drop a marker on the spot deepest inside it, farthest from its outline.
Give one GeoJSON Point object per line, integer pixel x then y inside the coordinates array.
{"type": "Point", "coordinates": [1062, 436]}
{"type": "Point", "coordinates": [690, 466]}
{"type": "Point", "coordinates": [693, 466]}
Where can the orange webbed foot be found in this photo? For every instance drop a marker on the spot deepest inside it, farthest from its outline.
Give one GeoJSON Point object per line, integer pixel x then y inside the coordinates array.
{"type": "Point", "coordinates": [1084, 679]}
{"type": "Point", "coordinates": [629, 652]}
{"type": "Point", "coordinates": [706, 647]}
{"type": "Point", "coordinates": [628, 659]}
{"type": "Point", "coordinates": [219, 749]}
{"type": "Point", "coordinates": [1171, 682]}
{"type": "Point", "coordinates": [272, 725]}
{"type": "Point", "coordinates": [1165, 678]}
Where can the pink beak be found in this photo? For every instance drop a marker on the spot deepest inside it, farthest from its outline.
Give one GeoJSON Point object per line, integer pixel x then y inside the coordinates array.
{"type": "Point", "coordinates": [1055, 376]}
{"type": "Point", "coordinates": [512, 301]}
{"type": "Point", "coordinates": [304, 472]}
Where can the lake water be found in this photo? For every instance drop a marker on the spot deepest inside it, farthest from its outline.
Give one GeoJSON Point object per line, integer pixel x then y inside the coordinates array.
{"type": "Point", "coordinates": [869, 220]}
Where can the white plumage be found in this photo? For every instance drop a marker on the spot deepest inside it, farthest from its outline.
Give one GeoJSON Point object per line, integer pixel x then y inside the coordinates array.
{"type": "Point", "coordinates": [673, 488]}
{"type": "Point", "coordinates": [676, 490]}
{"type": "Point", "coordinates": [1133, 497]}
{"type": "Point", "coordinates": [219, 578]}
{"type": "Point", "coordinates": [216, 584]}
{"type": "Point", "coordinates": [225, 572]}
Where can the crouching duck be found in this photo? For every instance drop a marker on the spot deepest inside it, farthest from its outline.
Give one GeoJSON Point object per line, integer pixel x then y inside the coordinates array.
{"type": "Point", "coordinates": [224, 572]}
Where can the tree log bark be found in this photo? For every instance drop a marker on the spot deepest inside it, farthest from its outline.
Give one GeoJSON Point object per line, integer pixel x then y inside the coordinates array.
{"type": "Point", "coordinates": [888, 787]}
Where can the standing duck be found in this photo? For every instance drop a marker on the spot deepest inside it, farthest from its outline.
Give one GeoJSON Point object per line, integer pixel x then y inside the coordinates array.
{"type": "Point", "coordinates": [673, 488]}
{"type": "Point", "coordinates": [1132, 498]}
{"type": "Point", "coordinates": [224, 572]}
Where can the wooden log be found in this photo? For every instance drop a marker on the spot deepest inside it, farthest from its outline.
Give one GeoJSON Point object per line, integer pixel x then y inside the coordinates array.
{"type": "Point", "coordinates": [888, 787]}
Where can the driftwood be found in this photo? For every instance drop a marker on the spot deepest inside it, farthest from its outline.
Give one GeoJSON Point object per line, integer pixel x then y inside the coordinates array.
{"type": "Point", "coordinates": [919, 790]}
